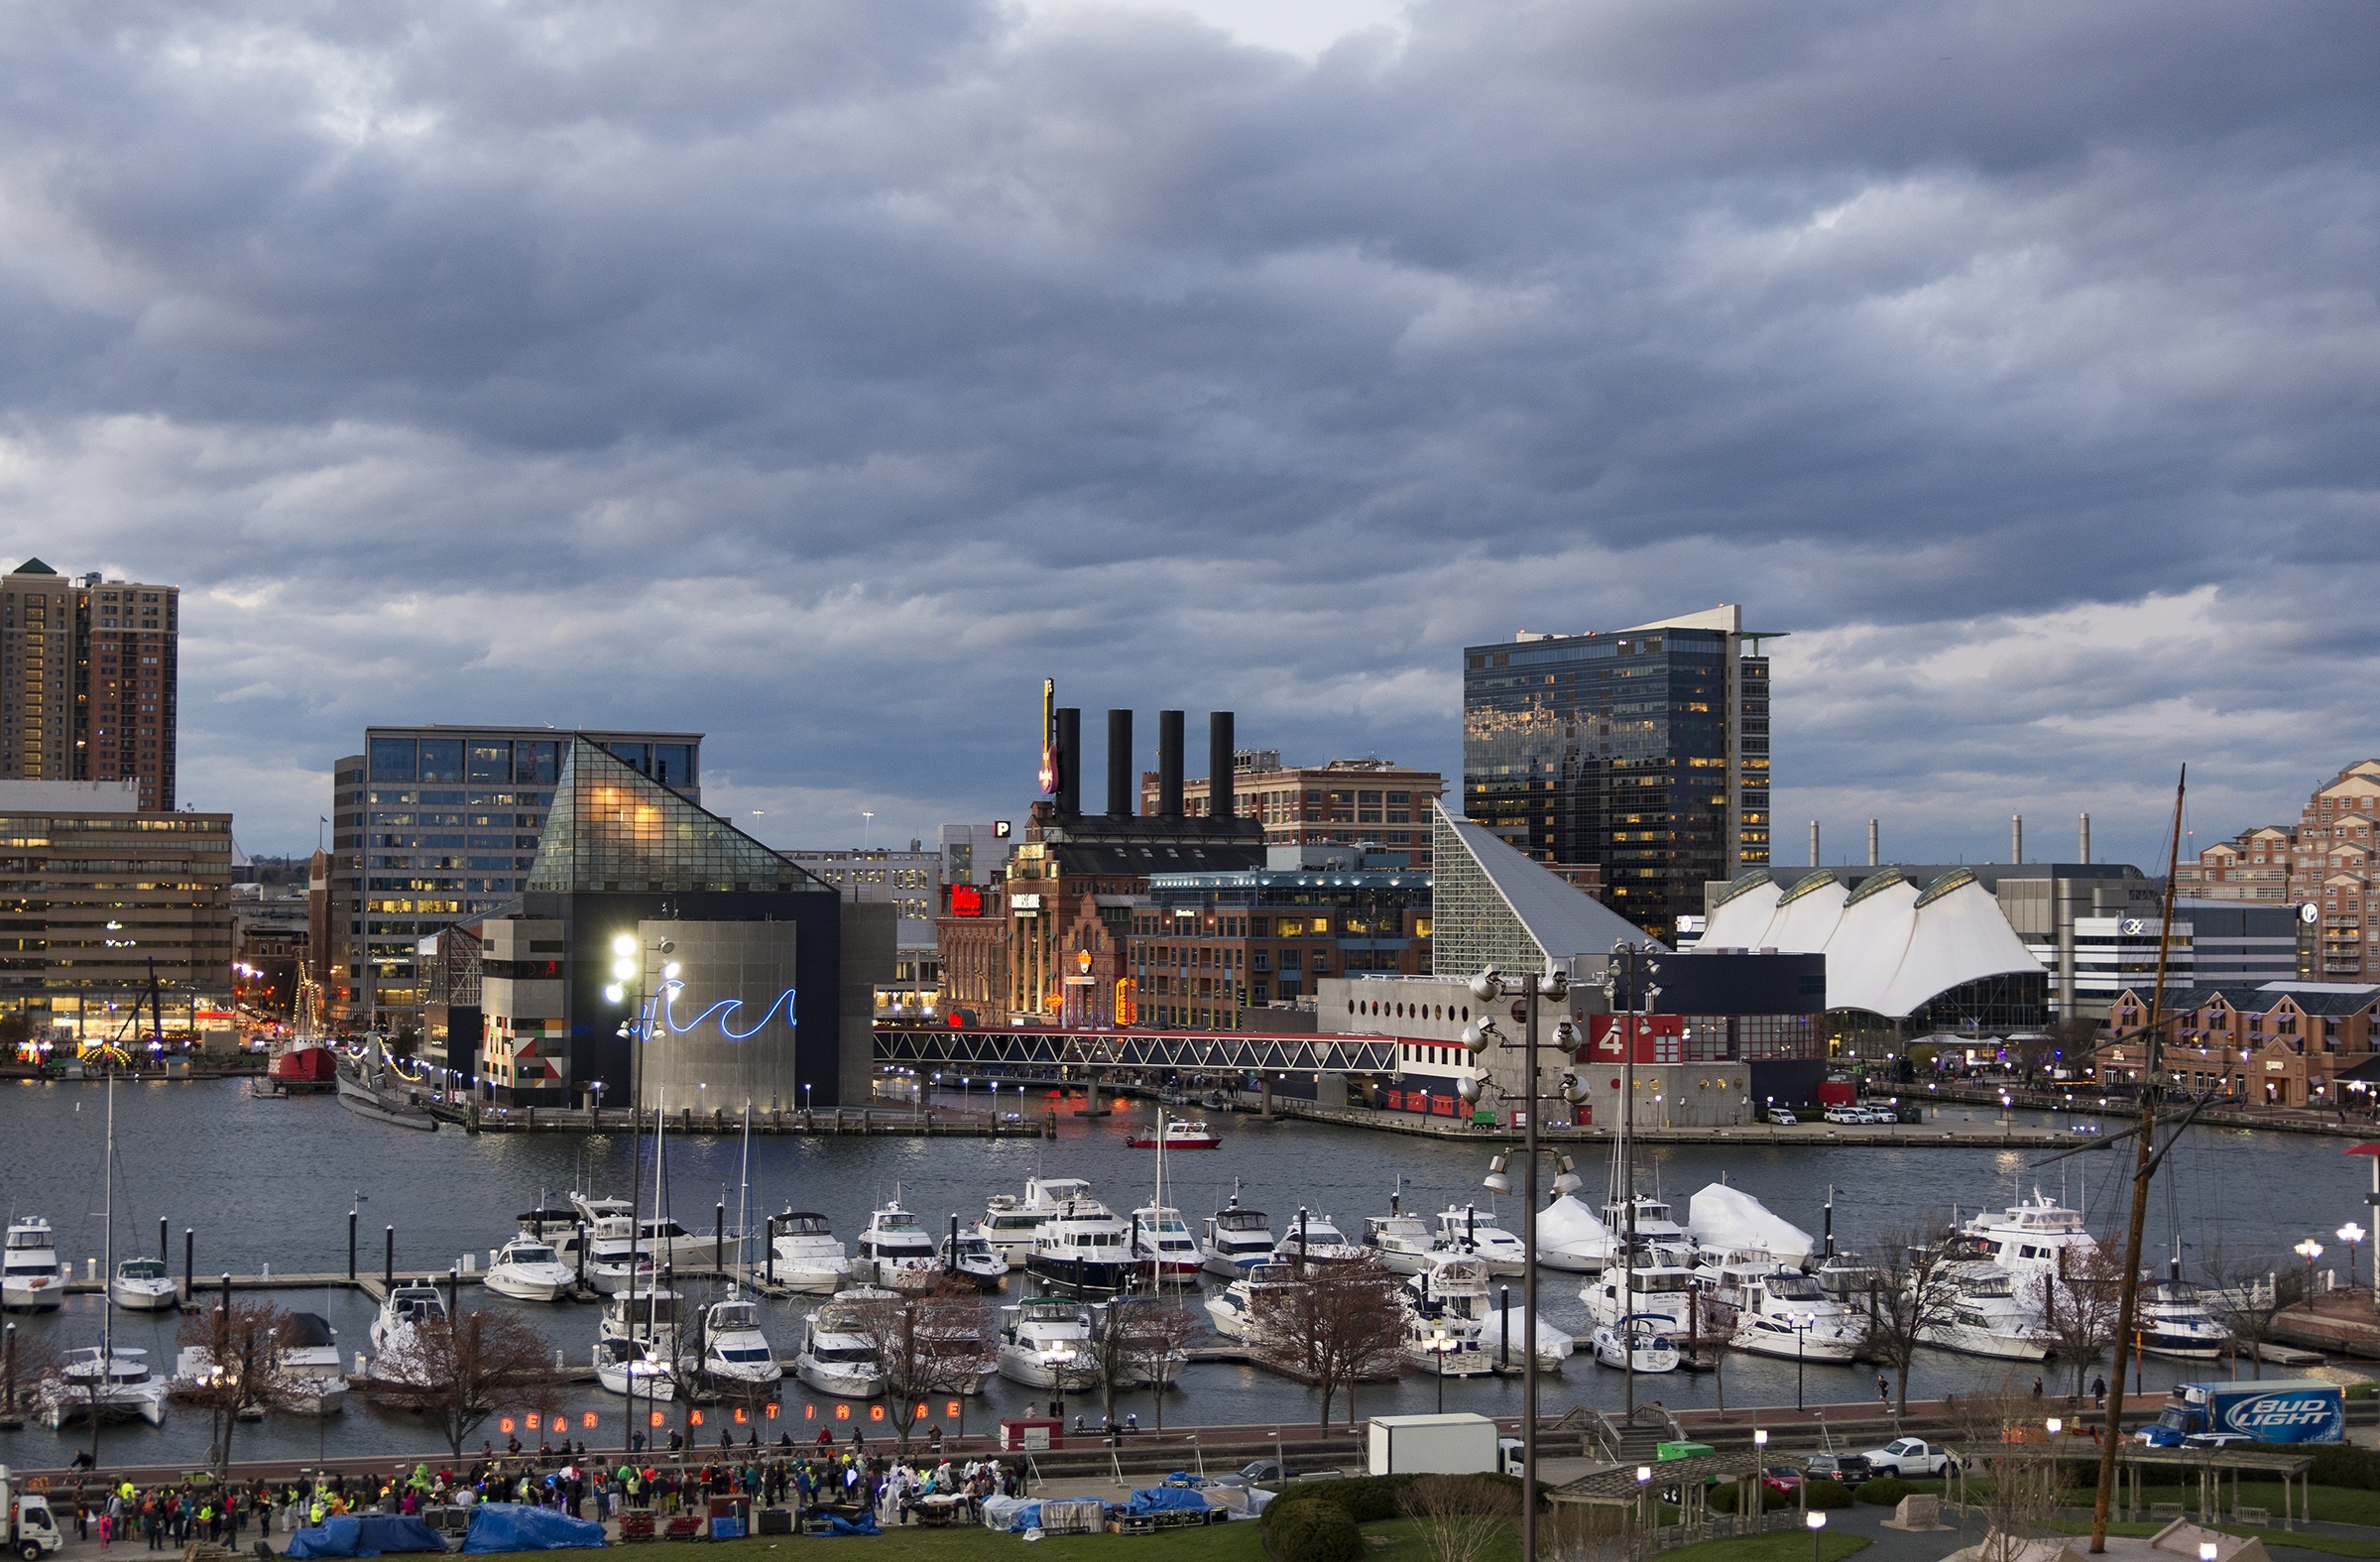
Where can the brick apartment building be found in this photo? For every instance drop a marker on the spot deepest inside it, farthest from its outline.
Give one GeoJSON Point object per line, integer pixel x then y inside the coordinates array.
{"type": "Point", "coordinates": [2281, 1044]}
{"type": "Point", "coordinates": [2325, 861]}
{"type": "Point", "coordinates": [1345, 802]}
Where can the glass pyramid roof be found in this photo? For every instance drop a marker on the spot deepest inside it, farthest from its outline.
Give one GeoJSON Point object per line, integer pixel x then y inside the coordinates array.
{"type": "Point", "coordinates": [614, 829]}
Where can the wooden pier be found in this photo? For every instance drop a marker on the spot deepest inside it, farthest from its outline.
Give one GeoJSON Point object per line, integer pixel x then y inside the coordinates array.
{"type": "Point", "coordinates": [474, 1117]}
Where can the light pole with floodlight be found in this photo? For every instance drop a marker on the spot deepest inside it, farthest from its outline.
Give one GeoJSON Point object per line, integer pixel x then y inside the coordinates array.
{"type": "Point", "coordinates": [632, 959]}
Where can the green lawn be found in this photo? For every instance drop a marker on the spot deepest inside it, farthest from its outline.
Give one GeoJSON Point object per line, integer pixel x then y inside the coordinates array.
{"type": "Point", "coordinates": [1790, 1545]}
{"type": "Point", "coordinates": [2334, 1545]}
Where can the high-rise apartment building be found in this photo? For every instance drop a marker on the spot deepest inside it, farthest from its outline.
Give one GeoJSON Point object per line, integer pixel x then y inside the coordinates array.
{"type": "Point", "coordinates": [434, 823]}
{"type": "Point", "coordinates": [88, 670]}
{"type": "Point", "coordinates": [2326, 866]}
{"type": "Point", "coordinates": [1642, 751]}
{"type": "Point", "coordinates": [1345, 802]}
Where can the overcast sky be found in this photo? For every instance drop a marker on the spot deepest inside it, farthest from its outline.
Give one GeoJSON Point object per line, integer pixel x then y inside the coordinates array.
{"type": "Point", "coordinates": [822, 376]}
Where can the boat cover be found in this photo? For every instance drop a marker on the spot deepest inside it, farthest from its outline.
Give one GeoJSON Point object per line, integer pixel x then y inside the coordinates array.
{"type": "Point", "coordinates": [517, 1526]}
{"type": "Point", "coordinates": [1551, 1341]}
{"type": "Point", "coordinates": [1566, 1225]}
{"type": "Point", "coordinates": [1165, 1499]}
{"type": "Point", "coordinates": [1730, 1219]}
{"type": "Point", "coordinates": [365, 1535]}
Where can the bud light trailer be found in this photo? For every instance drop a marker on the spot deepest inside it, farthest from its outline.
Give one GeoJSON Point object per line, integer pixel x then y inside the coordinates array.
{"type": "Point", "coordinates": [2283, 1410]}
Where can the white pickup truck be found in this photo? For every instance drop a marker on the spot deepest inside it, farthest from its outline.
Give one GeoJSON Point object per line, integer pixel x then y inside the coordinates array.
{"type": "Point", "coordinates": [1905, 1457]}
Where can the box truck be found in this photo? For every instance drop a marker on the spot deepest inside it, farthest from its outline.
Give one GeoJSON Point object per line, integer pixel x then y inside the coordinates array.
{"type": "Point", "coordinates": [31, 1529]}
{"type": "Point", "coordinates": [1463, 1444]}
{"type": "Point", "coordinates": [2283, 1410]}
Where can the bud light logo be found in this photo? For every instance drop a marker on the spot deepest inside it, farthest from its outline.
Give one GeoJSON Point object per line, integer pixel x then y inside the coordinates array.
{"type": "Point", "coordinates": [2300, 1417]}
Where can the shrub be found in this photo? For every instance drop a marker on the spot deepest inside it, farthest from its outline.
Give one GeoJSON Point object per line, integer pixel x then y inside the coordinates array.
{"type": "Point", "coordinates": [1362, 1500]}
{"type": "Point", "coordinates": [1884, 1492]}
{"type": "Point", "coordinates": [2344, 1464]}
{"type": "Point", "coordinates": [1723, 1498]}
{"type": "Point", "coordinates": [2361, 1391]}
{"type": "Point", "coordinates": [1310, 1530]}
{"type": "Point", "coordinates": [1826, 1494]}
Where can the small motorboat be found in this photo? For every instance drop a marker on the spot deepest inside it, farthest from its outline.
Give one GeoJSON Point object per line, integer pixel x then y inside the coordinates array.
{"type": "Point", "coordinates": [1237, 1240]}
{"type": "Point", "coordinates": [734, 1349]}
{"type": "Point", "coordinates": [311, 1381]}
{"type": "Point", "coordinates": [1463, 1229]}
{"type": "Point", "coordinates": [1403, 1242]}
{"type": "Point", "coordinates": [530, 1270]}
{"type": "Point", "coordinates": [30, 1277]}
{"type": "Point", "coordinates": [968, 1255]}
{"type": "Point", "coordinates": [395, 1329]}
{"type": "Point", "coordinates": [1312, 1239]}
{"type": "Point", "coordinates": [897, 1251]}
{"type": "Point", "coordinates": [1163, 1239]}
{"type": "Point", "coordinates": [1641, 1345]}
{"type": "Point", "coordinates": [144, 1285]}
{"type": "Point", "coordinates": [1177, 1134]}
{"type": "Point", "coordinates": [629, 1367]}
{"type": "Point", "coordinates": [1238, 1311]}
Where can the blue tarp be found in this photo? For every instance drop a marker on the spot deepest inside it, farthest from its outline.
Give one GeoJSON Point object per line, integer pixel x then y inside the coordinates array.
{"type": "Point", "coordinates": [844, 1526]}
{"type": "Point", "coordinates": [515, 1526]}
{"type": "Point", "coordinates": [1164, 1498]}
{"type": "Point", "coordinates": [365, 1535]}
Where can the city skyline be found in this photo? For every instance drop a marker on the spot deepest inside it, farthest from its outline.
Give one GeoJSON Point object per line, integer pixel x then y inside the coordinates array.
{"type": "Point", "coordinates": [821, 382]}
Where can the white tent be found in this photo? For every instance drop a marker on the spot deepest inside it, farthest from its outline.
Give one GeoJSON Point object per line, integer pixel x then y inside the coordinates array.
{"type": "Point", "coordinates": [1728, 1220]}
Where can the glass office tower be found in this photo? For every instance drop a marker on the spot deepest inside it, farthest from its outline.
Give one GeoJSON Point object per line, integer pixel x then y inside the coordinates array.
{"type": "Point", "coordinates": [1643, 753]}
{"type": "Point", "coordinates": [436, 823]}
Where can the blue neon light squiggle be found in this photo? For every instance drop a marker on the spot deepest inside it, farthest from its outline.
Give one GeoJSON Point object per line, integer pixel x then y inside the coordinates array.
{"type": "Point", "coordinates": [670, 989]}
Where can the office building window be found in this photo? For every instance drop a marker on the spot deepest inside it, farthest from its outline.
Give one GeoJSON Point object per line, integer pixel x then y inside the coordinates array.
{"type": "Point", "coordinates": [442, 759]}
{"type": "Point", "coordinates": [491, 761]}
{"type": "Point", "coordinates": [392, 759]}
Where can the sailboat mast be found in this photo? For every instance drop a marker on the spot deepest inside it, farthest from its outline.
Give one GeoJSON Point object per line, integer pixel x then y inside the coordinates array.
{"type": "Point", "coordinates": [744, 1201]}
{"type": "Point", "coordinates": [107, 1238]}
{"type": "Point", "coordinates": [2144, 1166]}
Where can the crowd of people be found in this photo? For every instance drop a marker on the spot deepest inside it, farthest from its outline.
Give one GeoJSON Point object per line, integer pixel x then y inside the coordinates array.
{"type": "Point", "coordinates": [848, 1481]}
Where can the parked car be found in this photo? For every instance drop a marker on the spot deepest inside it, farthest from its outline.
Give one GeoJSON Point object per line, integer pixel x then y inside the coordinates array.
{"type": "Point", "coordinates": [1784, 1480]}
{"type": "Point", "coordinates": [1845, 1115]}
{"type": "Point", "coordinates": [1845, 1468]}
{"type": "Point", "coordinates": [1783, 1117]}
{"type": "Point", "coordinates": [1911, 1456]}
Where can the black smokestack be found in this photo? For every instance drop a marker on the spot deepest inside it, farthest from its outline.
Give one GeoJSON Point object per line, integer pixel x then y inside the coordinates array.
{"type": "Point", "coordinates": [1119, 764]}
{"type": "Point", "coordinates": [1219, 803]}
{"type": "Point", "coordinates": [1070, 760]}
{"type": "Point", "coordinates": [1169, 763]}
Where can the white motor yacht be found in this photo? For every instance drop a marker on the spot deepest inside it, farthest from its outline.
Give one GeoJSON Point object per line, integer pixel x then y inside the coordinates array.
{"type": "Point", "coordinates": [30, 1277]}
{"type": "Point", "coordinates": [309, 1366]}
{"type": "Point", "coordinates": [1987, 1318]}
{"type": "Point", "coordinates": [1237, 1312]}
{"type": "Point", "coordinates": [629, 1367]}
{"type": "Point", "coordinates": [1658, 1284]}
{"type": "Point", "coordinates": [1643, 1345]}
{"type": "Point", "coordinates": [1771, 1310]}
{"type": "Point", "coordinates": [2174, 1322]}
{"type": "Point", "coordinates": [112, 1384]}
{"type": "Point", "coordinates": [1237, 1240]}
{"type": "Point", "coordinates": [970, 1255]}
{"type": "Point", "coordinates": [145, 1285]}
{"type": "Point", "coordinates": [837, 1355]}
{"type": "Point", "coordinates": [734, 1349]}
{"type": "Point", "coordinates": [1045, 1343]}
{"type": "Point", "coordinates": [2037, 1237]}
{"type": "Point", "coordinates": [1403, 1242]}
{"type": "Point", "coordinates": [1084, 1251]}
{"type": "Point", "coordinates": [1314, 1239]}
{"type": "Point", "coordinates": [804, 1254]}
{"type": "Point", "coordinates": [1010, 1228]}
{"type": "Point", "coordinates": [1655, 1223]}
{"type": "Point", "coordinates": [614, 1259]}
{"type": "Point", "coordinates": [897, 1251]}
{"type": "Point", "coordinates": [1144, 1366]}
{"type": "Point", "coordinates": [407, 1309]}
{"type": "Point", "coordinates": [530, 1270]}
{"type": "Point", "coordinates": [1570, 1238]}
{"type": "Point", "coordinates": [1166, 1250]}
{"type": "Point", "coordinates": [1465, 1229]}
{"type": "Point", "coordinates": [1445, 1306]}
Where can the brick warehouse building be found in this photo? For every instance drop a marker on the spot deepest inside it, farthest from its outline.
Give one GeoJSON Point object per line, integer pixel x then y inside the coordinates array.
{"type": "Point", "coordinates": [1345, 802]}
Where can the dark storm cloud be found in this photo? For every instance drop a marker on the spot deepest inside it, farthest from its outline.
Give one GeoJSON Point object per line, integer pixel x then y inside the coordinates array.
{"type": "Point", "coordinates": [823, 375]}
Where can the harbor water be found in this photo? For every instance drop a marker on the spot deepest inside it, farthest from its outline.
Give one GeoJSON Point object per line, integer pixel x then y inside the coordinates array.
{"type": "Point", "coordinates": [270, 1182]}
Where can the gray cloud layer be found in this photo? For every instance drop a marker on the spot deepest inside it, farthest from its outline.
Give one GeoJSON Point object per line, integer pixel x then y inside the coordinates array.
{"type": "Point", "coordinates": [823, 375]}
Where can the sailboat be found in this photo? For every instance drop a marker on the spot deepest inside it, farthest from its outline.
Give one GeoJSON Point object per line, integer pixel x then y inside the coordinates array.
{"type": "Point", "coordinates": [106, 1382]}
{"type": "Point", "coordinates": [735, 1353]}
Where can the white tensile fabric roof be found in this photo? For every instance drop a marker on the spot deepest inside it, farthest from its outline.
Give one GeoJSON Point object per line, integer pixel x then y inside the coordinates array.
{"type": "Point", "coordinates": [1889, 949]}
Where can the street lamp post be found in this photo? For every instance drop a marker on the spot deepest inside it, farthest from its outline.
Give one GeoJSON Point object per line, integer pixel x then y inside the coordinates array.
{"type": "Point", "coordinates": [1488, 986]}
{"type": "Point", "coordinates": [2309, 1250]}
{"type": "Point", "coordinates": [1816, 1520]}
{"type": "Point", "coordinates": [2352, 1235]}
{"type": "Point", "coordinates": [1801, 1351]}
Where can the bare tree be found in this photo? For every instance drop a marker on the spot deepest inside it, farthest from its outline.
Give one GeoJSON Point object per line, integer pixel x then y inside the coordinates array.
{"type": "Point", "coordinates": [2003, 1443]}
{"type": "Point", "coordinates": [1333, 1325]}
{"type": "Point", "coordinates": [1459, 1517]}
{"type": "Point", "coordinates": [1913, 1293]}
{"type": "Point", "coordinates": [2078, 1309]}
{"type": "Point", "coordinates": [2248, 1298]}
{"type": "Point", "coordinates": [1136, 1341]}
{"type": "Point", "coordinates": [935, 1343]}
{"type": "Point", "coordinates": [457, 1371]}
{"type": "Point", "coordinates": [247, 1347]}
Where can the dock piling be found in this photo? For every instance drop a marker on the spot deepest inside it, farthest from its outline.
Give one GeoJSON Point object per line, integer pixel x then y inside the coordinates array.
{"type": "Point", "coordinates": [190, 1263]}
{"type": "Point", "coordinates": [388, 1262]}
{"type": "Point", "coordinates": [351, 1242]}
